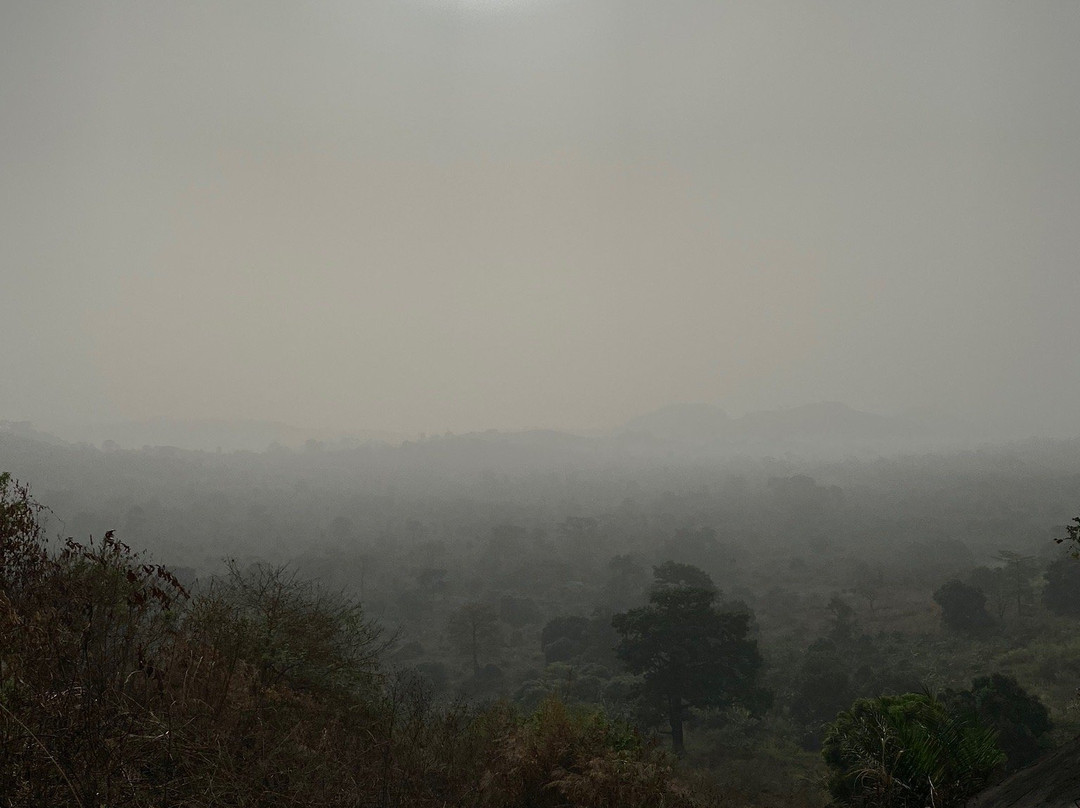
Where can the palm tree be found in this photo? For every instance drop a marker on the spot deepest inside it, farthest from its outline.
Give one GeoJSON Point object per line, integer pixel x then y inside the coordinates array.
{"type": "Point", "coordinates": [907, 752]}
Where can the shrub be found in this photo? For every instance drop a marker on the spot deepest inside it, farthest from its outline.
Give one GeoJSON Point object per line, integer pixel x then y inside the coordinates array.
{"type": "Point", "coordinates": [908, 752]}
{"type": "Point", "coordinates": [963, 607]}
{"type": "Point", "coordinates": [558, 757]}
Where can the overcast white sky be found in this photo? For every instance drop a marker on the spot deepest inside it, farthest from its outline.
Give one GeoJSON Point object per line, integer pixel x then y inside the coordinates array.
{"type": "Point", "coordinates": [431, 215]}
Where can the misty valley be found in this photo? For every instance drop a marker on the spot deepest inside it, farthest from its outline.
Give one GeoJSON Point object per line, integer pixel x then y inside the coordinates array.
{"type": "Point", "coordinates": [534, 619]}
{"type": "Point", "coordinates": [539, 404]}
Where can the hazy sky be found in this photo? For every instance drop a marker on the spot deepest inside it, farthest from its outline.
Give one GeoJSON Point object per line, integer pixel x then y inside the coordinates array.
{"type": "Point", "coordinates": [431, 215]}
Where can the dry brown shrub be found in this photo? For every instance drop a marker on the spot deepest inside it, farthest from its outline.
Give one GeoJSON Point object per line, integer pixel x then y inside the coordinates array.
{"type": "Point", "coordinates": [119, 689]}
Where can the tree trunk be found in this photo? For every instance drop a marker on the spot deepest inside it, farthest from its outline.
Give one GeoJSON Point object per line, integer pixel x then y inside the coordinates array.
{"type": "Point", "coordinates": [675, 718]}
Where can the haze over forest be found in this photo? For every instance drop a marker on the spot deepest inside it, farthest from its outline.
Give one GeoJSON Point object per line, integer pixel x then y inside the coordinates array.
{"type": "Point", "coordinates": [406, 216]}
{"type": "Point", "coordinates": [547, 403]}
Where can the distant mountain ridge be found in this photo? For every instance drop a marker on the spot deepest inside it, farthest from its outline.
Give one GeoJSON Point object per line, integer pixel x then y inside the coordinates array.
{"type": "Point", "coordinates": [26, 430]}
{"type": "Point", "coordinates": [682, 422]}
{"type": "Point", "coordinates": [687, 428]}
{"type": "Point", "coordinates": [827, 421]}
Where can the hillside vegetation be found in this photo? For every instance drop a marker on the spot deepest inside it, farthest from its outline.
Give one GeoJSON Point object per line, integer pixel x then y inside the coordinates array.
{"type": "Point", "coordinates": [490, 621]}
{"type": "Point", "coordinates": [121, 688]}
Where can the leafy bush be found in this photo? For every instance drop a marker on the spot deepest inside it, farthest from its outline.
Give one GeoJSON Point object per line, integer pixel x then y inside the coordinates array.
{"type": "Point", "coordinates": [963, 607]}
{"type": "Point", "coordinates": [907, 752]}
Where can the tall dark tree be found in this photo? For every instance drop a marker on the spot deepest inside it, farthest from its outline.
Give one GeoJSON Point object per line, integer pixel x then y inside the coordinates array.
{"type": "Point", "coordinates": [963, 607]}
{"type": "Point", "coordinates": [842, 628]}
{"type": "Point", "coordinates": [689, 652]}
{"type": "Point", "coordinates": [1062, 592]}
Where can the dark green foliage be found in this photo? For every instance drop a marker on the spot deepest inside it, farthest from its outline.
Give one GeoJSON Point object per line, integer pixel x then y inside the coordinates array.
{"type": "Point", "coordinates": [572, 628]}
{"type": "Point", "coordinates": [562, 649]}
{"type": "Point", "coordinates": [1019, 718]}
{"type": "Point", "coordinates": [841, 667]}
{"type": "Point", "coordinates": [579, 639]}
{"type": "Point", "coordinates": [689, 653]}
{"type": "Point", "coordinates": [518, 612]}
{"type": "Point", "coordinates": [963, 607]}
{"type": "Point", "coordinates": [907, 752]}
{"type": "Point", "coordinates": [490, 676]}
{"type": "Point", "coordinates": [434, 674]}
{"type": "Point", "coordinates": [564, 638]}
{"type": "Point", "coordinates": [1062, 592]}
{"type": "Point", "coordinates": [585, 684]}
{"type": "Point", "coordinates": [1072, 537]}
{"type": "Point", "coordinates": [671, 573]}
{"type": "Point", "coordinates": [992, 582]}
{"type": "Point", "coordinates": [823, 688]}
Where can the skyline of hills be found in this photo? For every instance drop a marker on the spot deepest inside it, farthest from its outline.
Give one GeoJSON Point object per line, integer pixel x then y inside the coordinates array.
{"type": "Point", "coordinates": [681, 427]}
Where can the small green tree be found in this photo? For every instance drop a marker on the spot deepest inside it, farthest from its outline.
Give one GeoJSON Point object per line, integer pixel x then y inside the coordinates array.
{"type": "Point", "coordinates": [290, 630]}
{"type": "Point", "coordinates": [907, 752]}
{"type": "Point", "coordinates": [689, 652]}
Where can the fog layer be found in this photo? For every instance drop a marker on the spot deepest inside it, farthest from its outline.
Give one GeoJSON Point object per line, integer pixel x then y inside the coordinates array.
{"type": "Point", "coordinates": [420, 215]}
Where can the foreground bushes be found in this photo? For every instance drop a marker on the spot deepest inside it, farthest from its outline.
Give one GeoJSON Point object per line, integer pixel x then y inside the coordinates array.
{"type": "Point", "coordinates": [120, 688]}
